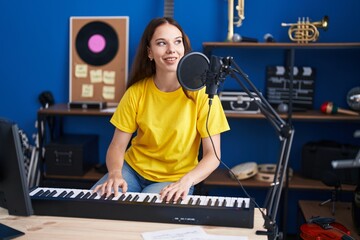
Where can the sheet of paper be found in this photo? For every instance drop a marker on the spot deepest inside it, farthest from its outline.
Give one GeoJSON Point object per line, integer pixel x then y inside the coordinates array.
{"type": "Point", "coordinates": [188, 233]}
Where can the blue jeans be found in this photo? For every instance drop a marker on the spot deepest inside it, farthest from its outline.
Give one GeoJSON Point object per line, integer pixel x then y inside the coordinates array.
{"type": "Point", "coordinates": [137, 183]}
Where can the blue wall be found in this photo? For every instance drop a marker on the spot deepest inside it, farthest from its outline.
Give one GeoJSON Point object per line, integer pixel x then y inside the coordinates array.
{"type": "Point", "coordinates": [34, 50]}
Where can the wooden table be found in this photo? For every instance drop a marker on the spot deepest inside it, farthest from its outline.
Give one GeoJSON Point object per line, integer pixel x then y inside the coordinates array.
{"type": "Point", "coordinates": [47, 227]}
{"type": "Point", "coordinates": [342, 214]}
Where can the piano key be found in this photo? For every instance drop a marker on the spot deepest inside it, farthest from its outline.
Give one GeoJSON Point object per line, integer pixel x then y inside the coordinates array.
{"type": "Point", "coordinates": [80, 195]}
{"type": "Point", "coordinates": [110, 197]}
{"type": "Point", "coordinates": [39, 193]}
{"type": "Point", "coordinates": [147, 198]}
{"type": "Point", "coordinates": [93, 195]}
{"type": "Point", "coordinates": [128, 198]}
{"type": "Point", "coordinates": [69, 194]}
{"type": "Point", "coordinates": [136, 197]}
{"type": "Point", "coordinates": [62, 194]}
{"type": "Point", "coordinates": [52, 193]}
{"type": "Point", "coordinates": [87, 195]}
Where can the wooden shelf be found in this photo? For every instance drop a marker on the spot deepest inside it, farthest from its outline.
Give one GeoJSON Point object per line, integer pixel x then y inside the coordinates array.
{"type": "Point", "coordinates": [221, 178]}
{"type": "Point", "coordinates": [63, 110]}
{"type": "Point", "coordinates": [310, 115]}
{"type": "Point", "coordinates": [338, 45]}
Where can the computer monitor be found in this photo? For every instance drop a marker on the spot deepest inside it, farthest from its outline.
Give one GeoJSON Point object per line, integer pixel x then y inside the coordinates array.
{"type": "Point", "coordinates": [14, 192]}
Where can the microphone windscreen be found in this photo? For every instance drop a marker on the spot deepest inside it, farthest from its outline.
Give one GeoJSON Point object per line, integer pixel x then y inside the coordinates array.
{"type": "Point", "coordinates": [191, 71]}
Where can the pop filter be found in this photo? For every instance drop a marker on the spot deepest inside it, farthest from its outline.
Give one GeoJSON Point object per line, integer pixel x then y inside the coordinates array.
{"type": "Point", "coordinates": [191, 71]}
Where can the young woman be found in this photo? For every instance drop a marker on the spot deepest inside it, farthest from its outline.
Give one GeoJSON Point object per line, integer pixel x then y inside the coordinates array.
{"type": "Point", "coordinates": [169, 123]}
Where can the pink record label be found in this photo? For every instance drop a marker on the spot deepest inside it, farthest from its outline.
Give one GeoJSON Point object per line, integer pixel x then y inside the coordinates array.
{"type": "Point", "coordinates": [96, 43]}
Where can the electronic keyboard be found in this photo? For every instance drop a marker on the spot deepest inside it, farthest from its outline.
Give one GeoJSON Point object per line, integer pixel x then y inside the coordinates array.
{"type": "Point", "coordinates": [133, 206]}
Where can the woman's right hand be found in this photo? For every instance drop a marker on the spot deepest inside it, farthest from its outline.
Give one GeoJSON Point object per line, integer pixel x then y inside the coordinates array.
{"type": "Point", "coordinates": [112, 184]}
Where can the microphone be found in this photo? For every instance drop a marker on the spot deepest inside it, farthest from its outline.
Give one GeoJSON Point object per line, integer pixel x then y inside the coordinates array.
{"type": "Point", "coordinates": [269, 38]}
{"type": "Point", "coordinates": [238, 38]}
{"type": "Point", "coordinates": [195, 71]}
{"type": "Point", "coordinates": [345, 163]}
{"type": "Point", "coordinates": [192, 70]}
{"type": "Point", "coordinates": [213, 75]}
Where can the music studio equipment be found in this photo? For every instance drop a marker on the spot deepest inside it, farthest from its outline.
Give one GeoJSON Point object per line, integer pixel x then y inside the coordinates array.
{"type": "Point", "coordinates": [132, 206]}
{"type": "Point", "coordinates": [244, 170]}
{"type": "Point", "coordinates": [322, 228]}
{"type": "Point", "coordinates": [71, 155]}
{"type": "Point", "coordinates": [305, 31]}
{"type": "Point", "coordinates": [268, 37]}
{"type": "Point", "coordinates": [237, 21]}
{"type": "Point", "coordinates": [238, 102]}
{"type": "Point", "coordinates": [238, 38]}
{"type": "Point", "coordinates": [332, 108]}
{"type": "Point", "coordinates": [212, 75]}
{"type": "Point", "coordinates": [353, 98]}
{"type": "Point", "coordinates": [266, 172]}
{"type": "Point", "coordinates": [332, 180]}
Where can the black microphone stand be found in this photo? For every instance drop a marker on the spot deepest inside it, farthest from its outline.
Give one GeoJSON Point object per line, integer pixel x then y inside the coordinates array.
{"type": "Point", "coordinates": [285, 132]}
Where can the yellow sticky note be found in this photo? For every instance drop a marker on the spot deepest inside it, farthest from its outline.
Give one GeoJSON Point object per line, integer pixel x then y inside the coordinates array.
{"type": "Point", "coordinates": [108, 92]}
{"type": "Point", "coordinates": [109, 77]}
{"type": "Point", "coordinates": [81, 70]}
{"type": "Point", "coordinates": [96, 76]}
{"type": "Point", "coordinates": [87, 90]}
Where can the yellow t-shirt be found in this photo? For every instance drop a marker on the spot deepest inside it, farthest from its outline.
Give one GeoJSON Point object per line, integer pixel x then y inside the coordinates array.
{"type": "Point", "coordinates": [169, 128]}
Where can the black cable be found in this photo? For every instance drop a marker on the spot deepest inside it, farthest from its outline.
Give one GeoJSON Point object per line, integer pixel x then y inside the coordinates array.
{"type": "Point", "coordinates": [226, 166]}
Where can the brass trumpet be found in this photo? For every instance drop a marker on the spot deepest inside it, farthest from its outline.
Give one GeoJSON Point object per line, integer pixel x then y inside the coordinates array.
{"type": "Point", "coordinates": [231, 18]}
{"type": "Point", "coordinates": [305, 31]}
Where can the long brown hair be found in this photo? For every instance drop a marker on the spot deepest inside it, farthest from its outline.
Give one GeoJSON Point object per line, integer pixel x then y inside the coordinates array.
{"type": "Point", "coordinates": [142, 67]}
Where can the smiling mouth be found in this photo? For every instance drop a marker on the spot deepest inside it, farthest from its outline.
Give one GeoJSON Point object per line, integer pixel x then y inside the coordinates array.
{"type": "Point", "coordinates": [170, 59]}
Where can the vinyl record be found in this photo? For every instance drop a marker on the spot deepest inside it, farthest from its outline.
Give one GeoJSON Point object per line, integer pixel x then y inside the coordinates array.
{"type": "Point", "coordinates": [97, 43]}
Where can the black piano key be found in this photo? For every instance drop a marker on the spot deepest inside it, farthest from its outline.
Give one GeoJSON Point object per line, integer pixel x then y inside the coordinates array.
{"type": "Point", "coordinates": [198, 201]}
{"type": "Point", "coordinates": [38, 194]}
{"type": "Point", "coordinates": [52, 193]}
{"type": "Point", "coordinates": [147, 198]}
{"type": "Point", "coordinates": [224, 203]}
{"type": "Point", "coordinates": [94, 195]}
{"type": "Point", "coordinates": [243, 204]}
{"type": "Point", "coordinates": [136, 197]}
{"type": "Point", "coordinates": [209, 202]}
{"type": "Point", "coordinates": [69, 194]}
{"type": "Point", "coordinates": [128, 198]}
{"type": "Point", "coordinates": [190, 201]}
{"type": "Point", "coordinates": [110, 197]}
{"type": "Point", "coordinates": [235, 203]}
{"type": "Point", "coordinates": [216, 202]}
{"type": "Point", "coordinates": [121, 198]}
{"type": "Point", "coordinates": [62, 194]}
{"type": "Point", "coordinates": [103, 197]}
{"type": "Point", "coordinates": [46, 193]}
{"type": "Point", "coordinates": [79, 195]}
{"type": "Point", "coordinates": [86, 196]}
{"type": "Point", "coordinates": [154, 199]}
{"type": "Point", "coordinates": [179, 201]}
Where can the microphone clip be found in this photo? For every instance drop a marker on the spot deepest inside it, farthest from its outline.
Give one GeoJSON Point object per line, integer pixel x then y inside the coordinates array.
{"type": "Point", "coordinates": [218, 70]}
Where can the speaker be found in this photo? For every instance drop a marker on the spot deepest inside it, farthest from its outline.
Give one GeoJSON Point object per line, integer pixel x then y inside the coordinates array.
{"type": "Point", "coordinates": [98, 59]}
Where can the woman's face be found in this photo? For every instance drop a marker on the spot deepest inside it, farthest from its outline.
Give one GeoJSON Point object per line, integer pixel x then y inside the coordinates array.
{"type": "Point", "coordinates": [166, 47]}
